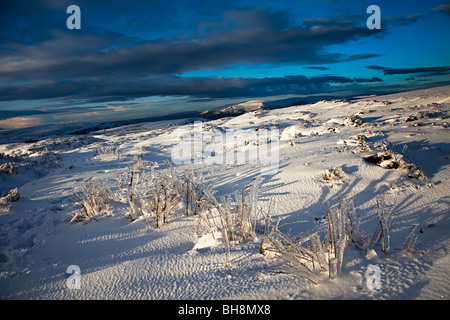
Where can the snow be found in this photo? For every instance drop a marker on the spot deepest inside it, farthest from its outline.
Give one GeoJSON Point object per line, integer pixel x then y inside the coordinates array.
{"type": "Point", "coordinates": [124, 259]}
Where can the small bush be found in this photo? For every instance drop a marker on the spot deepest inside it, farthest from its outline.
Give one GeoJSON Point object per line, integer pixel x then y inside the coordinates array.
{"type": "Point", "coordinates": [93, 198]}
{"type": "Point", "coordinates": [354, 120]}
{"type": "Point", "coordinates": [134, 187]}
{"type": "Point", "coordinates": [333, 175]}
{"type": "Point", "coordinates": [166, 196]}
{"type": "Point", "coordinates": [238, 216]}
{"type": "Point", "coordinates": [50, 160]}
{"type": "Point", "coordinates": [158, 194]}
{"type": "Point", "coordinates": [194, 186]}
{"type": "Point", "coordinates": [105, 150]}
{"type": "Point", "coordinates": [8, 169]}
{"type": "Point", "coordinates": [382, 232]}
{"type": "Point", "coordinates": [308, 256]}
{"type": "Point", "coordinates": [12, 196]}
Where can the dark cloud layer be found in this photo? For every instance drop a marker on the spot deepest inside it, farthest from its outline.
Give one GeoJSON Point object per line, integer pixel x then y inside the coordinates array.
{"type": "Point", "coordinates": [87, 54]}
{"type": "Point", "coordinates": [424, 71]}
{"type": "Point", "coordinates": [112, 59]}
{"type": "Point", "coordinates": [109, 89]}
{"type": "Point", "coordinates": [106, 65]}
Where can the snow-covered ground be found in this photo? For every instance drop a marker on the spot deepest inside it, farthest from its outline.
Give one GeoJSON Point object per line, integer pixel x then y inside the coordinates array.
{"type": "Point", "coordinates": [404, 136]}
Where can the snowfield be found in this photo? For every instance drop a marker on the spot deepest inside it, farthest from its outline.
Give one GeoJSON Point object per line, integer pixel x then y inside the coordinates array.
{"type": "Point", "coordinates": [386, 157]}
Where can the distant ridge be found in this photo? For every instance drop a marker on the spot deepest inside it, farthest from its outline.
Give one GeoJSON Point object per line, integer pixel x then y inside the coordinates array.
{"type": "Point", "coordinates": [253, 105]}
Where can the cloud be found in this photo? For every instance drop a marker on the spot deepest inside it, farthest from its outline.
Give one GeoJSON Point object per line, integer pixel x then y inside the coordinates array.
{"type": "Point", "coordinates": [425, 71]}
{"type": "Point", "coordinates": [367, 80]}
{"type": "Point", "coordinates": [444, 8]}
{"type": "Point", "coordinates": [403, 20]}
{"type": "Point", "coordinates": [317, 68]}
{"type": "Point", "coordinates": [244, 36]}
{"type": "Point", "coordinates": [113, 89]}
{"type": "Point", "coordinates": [361, 57]}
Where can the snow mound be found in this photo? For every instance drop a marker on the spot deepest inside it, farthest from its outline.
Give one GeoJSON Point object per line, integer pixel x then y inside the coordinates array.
{"type": "Point", "coordinates": [296, 131]}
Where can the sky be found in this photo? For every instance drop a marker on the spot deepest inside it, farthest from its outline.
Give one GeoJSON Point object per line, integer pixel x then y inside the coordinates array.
{"type": "Point", "coordinates": [146, 58]}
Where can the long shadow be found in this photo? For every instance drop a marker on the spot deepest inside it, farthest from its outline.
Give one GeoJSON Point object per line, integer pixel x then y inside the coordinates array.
{"type": "Point", "coordinates": [311, 213]}
{"type": "Point", "coordinates": [371, 119]}
{"type": "Point", "coordinates": [430, 157]}
{"type": "Point", "coordinates": [315, 212]}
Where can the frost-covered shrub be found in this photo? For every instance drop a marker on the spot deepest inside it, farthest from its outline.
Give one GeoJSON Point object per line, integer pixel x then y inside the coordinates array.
{"type": "Point", "coordinates": [307, 255]}
{"type": "Point", "coordinates": [93, 199]}
{"type": "Point", "coordinates": [105, 150]}
{"type": "Point", "coordinates": [382, 232]}
{"type": "Point", "coordinates": [354, 120]}
{"type": "Point", "coordinates": [58, 144]}
{"type": "Point", "coordinates": [134, 186]}
{"type": "Point", "coordinates": [8, 169]}
{"type": "Point", "coordinates": [239, 212]}
{"type": "Point", "coordinates": [12, 196]}
{"type": "Point", "coordinates": [333, 175]}
{"type": "Point", "coordinates": [304, 255]}
{"type": "Point", "coordinates": [167, 194]}
{"type": "Point", "coordinates": [237, 217]}
{"type": "Point", "coordinates": [50, 160]}
{"type": "Point", "coordinates": [152, 194]}
{"type": "Point", "coordinates": [194, 186]}
{"type": "Point", "coordinates": [311, 255]}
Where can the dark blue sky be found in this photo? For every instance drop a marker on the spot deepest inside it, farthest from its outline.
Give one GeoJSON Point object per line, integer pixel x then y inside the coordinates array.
{"type": "Point", "coordinates": [134, 59]}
